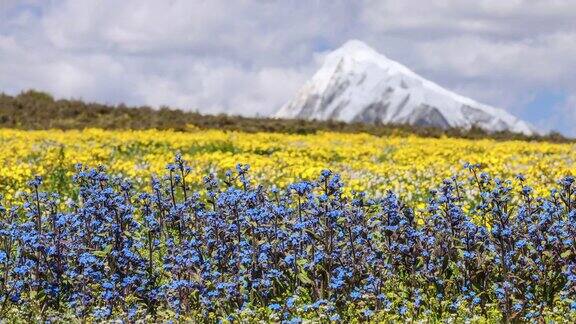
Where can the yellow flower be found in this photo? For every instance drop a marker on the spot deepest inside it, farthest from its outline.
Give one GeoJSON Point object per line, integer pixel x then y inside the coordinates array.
{"type": "Point", "coordinates": [407, 165]}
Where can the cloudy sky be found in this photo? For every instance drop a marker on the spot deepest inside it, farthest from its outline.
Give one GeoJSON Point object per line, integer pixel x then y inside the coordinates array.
{"type": "Point", "coordinates": [250, 57]}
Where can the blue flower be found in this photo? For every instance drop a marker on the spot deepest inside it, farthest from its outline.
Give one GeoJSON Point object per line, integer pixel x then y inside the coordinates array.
{"type": "Point", "coordinates": [402, 310]}
{"type": "Point", "coordinates": [275, 307]}
{"type": "Point", "coordinates": [232, 245]}
{"type": "Point", "coordinates": [355, 294]}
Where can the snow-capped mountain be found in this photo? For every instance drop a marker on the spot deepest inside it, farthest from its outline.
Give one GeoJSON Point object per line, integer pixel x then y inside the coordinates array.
{"type": "Point", "coordinates": [356, 83]}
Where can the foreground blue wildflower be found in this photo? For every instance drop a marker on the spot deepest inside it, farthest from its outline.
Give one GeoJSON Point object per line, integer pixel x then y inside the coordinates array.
{"type": "Point", "coordinates": [306, 251]}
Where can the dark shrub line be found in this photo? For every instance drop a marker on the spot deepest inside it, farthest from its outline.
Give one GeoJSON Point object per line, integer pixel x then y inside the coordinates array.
{"type": "Point", "coordinates": [37, 110]}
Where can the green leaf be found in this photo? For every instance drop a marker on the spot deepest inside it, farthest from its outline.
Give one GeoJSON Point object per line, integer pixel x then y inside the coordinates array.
{"type": "Point", "coordinates": [103, 253]}
{"type": "Point", "coordinates": [301, 262]}
{"type": "Point", "coordinates": [303, 276]}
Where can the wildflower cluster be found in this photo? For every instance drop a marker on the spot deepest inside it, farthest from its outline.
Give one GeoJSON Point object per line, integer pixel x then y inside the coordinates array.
{"type": "Point", "coordinates": [407, 165]}
{"type": "Point", "coordinates": [235, 250]}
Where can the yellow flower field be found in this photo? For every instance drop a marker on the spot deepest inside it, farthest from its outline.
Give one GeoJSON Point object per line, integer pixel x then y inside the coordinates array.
{"type": "Point", "coordinates": [408, 165]}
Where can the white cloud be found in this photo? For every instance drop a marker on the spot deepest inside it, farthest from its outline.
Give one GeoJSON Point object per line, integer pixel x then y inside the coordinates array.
{"type": "Point", "coordinates": [545, 59]}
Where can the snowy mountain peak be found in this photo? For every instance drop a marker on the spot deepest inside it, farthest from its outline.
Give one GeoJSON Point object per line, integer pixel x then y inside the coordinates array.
{"type": "Point", "coordinates": [358, 50]}
{"type": "Point", "coordinates": [356, 83]}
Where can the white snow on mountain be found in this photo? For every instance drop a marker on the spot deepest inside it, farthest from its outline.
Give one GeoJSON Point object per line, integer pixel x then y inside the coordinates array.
{"type": "Point", "coordinates": [357, 84]}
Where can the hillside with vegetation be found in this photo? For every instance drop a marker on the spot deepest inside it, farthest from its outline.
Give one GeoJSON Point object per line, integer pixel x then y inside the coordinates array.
{"type": "Point", "coordinates": [38, 110]}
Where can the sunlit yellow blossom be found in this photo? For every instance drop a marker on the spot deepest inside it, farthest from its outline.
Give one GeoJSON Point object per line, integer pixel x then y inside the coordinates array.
{"type": "Point", "coordinates": [408, 165]}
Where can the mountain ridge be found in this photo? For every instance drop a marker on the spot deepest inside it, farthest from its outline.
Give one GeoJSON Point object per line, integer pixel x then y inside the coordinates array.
{"type": "Point", "coordinates": [358, 84]}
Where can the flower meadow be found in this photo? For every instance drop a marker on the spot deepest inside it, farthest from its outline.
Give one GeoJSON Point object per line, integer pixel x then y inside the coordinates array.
{"type": "Point", "coordinates": [407, 165]}
{"type": "Point", "coordinates": [107, 225]}
{"type": "Point", "coordinates": [482, 249]}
